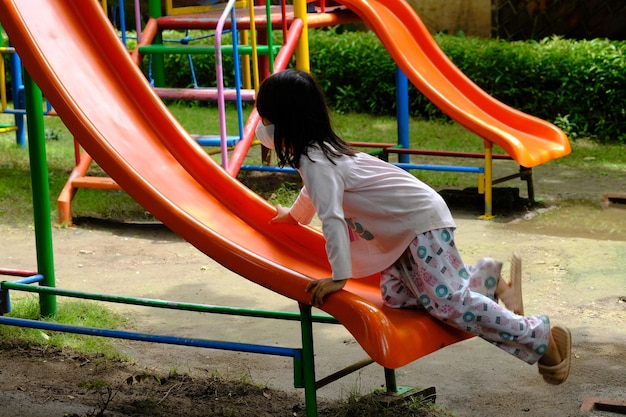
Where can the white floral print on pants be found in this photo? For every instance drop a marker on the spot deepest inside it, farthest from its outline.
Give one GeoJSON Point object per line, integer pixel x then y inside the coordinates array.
{"type": "Point", "coordinates": [431, 275]}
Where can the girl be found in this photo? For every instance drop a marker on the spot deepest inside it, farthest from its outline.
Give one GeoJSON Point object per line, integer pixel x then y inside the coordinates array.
{"type": "Point", "coordinates": [377, 217]}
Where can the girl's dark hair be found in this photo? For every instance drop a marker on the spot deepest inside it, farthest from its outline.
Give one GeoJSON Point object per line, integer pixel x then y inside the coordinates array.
{"type": "Point", "coordinates": [294, 102]}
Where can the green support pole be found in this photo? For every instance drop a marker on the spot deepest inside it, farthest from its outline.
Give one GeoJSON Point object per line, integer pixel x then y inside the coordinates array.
{"type": "Point", "coordinates": [158, 61]}
{"type": "Point", "coordinates": [308, 360]}
{"type": "Point", "coordinates": [390, 381]}
{"type": "Point", "coordinates": [41, 192]}
{"type": "Point", "coordinates": [270, 42]}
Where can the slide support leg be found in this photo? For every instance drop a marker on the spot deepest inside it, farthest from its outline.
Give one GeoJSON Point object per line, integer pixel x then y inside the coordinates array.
{"type": "Point", "coordinates": [488, 181]}
{"type": "Point", "coordinates": [308, 361]}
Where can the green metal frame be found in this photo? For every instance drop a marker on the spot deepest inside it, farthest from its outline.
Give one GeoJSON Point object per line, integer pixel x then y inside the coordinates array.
{"type": "Point", "coordinates": [304, 373]}
{"type": "Point", "coordinates": [41, 192]}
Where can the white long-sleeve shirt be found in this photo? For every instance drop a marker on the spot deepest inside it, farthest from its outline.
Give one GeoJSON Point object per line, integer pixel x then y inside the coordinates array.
{"type": "Point", "coordinates": [370, 210]}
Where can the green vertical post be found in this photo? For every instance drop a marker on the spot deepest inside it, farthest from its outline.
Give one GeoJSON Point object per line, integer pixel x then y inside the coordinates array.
{"type": "Point", "coordinates": [270, 41]}
{"type": "Point", "coordinates": [158, 60]}
{"type": "Point", "coordinates": [41, 192]}
{"type": "Point", "coordinates": [390, 381]}
{"type": "Point", "coordinates": [308, 360]}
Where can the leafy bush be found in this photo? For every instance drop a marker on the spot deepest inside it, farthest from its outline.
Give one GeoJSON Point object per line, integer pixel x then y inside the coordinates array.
{"type": "Point", "coordinates": [355, 71]}
{"type": "Point", "coordinates": [358, 74]}
{"type": "Point", "coordinates": [577, 85]}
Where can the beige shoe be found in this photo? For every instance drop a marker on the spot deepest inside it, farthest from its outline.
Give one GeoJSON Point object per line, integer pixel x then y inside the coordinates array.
{"type": "Point", "coordinates": [515, 283]}
{"type": "Point", "coordinates": [557, 374]}
{"type": "Point", "coordinates": [512, 296]}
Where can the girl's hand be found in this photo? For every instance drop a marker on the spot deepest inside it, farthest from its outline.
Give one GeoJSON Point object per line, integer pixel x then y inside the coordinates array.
{"type": "Point", "coordinates": [319, 289]}
{"type": "Point", "coordinates": [283, 216]}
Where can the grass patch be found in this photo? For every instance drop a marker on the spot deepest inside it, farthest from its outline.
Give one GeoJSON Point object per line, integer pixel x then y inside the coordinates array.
{"type": "Point", "coordinates": [75, 313]}
{"type": "Point", "coordinates": [378, 404]}
{"type": "Point", "coordinates": [16, 200]}
{"type": "Point", "coordinates": [590, 156]}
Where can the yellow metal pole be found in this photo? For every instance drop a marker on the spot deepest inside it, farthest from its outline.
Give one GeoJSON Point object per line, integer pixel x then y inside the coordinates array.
{"type": "Point", "coordinates": [302, 50]}
{"type": "Point", "coordinates": [488, 178]}
{"type": "Point", "coordinates": [245, 61]}
{"type": "Point", "coordinates": [3, 91]}
{"type": "Point", "coordinates": [255, 56]}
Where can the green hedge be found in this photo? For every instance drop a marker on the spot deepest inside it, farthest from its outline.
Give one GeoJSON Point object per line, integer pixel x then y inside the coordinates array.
{"type": "Point", "coordinates": [578, 85]}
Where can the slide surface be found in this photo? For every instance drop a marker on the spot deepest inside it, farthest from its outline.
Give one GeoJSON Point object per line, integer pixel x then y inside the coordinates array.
{"type": "Point", "coordinates": [75, 57]}
{"type": "Point", "coordinates": [528, 140]}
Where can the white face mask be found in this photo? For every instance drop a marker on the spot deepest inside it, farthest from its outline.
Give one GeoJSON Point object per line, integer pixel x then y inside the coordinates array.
{"type": "Point", "coordinates": [265, 134]}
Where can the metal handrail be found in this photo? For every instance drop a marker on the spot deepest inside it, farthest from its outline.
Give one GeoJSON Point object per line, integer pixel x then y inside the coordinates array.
{"type": "Point", "coordinates": [221, 102]}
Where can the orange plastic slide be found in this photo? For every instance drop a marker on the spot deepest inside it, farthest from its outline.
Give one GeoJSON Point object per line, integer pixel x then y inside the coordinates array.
{"type": "Point", "coordinates": [528, 140]}
{"type": "Point", "coordinates": [75, 57]}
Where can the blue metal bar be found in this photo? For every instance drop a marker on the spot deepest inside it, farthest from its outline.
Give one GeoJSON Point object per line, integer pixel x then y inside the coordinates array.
{"type": "Point", "coordinates": [402, 113]}
{"type": "Point", "coordinates": [192, 70]}
{"type": "Point", "coordinates": [146, 337]}
{"type": "Point", "coordinates": [237, 65]}
{"type": "Point", "coordinates": [5, 298]}
{"type": "Point", "coordinates": [17, 88]}
{"type": "Point", "coordinates": [29, 280]}
{"type": "Point", "coordinates": [23, 111]}
{"type": "Point", "coordinates": [450, 168]}
{"type": "Point", "coordinates": [122, 21]}
{"type": "Point", "coordinates": [185, 41]}
{"type": "Point", "coordinates": [212, 140]}
{"type": "Point", "coordinates": [267, 168]}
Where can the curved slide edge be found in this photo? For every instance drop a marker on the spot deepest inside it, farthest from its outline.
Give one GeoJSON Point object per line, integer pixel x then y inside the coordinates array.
{"type": "Point", "coordinates": [527, 139]}
{"type": "Point", "coordinates": [75, 57]}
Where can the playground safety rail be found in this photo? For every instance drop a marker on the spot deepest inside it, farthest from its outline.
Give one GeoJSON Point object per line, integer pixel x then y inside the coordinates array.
{"type": "Point", "coordinates": [303, 357]}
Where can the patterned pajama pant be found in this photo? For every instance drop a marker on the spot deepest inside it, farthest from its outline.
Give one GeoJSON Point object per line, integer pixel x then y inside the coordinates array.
{"type": "Point", "coordinates": [431, 275]}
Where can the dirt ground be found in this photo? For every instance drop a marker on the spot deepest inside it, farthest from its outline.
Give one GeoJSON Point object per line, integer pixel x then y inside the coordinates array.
{"type": "Point", "coordinates": [574, 253]}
